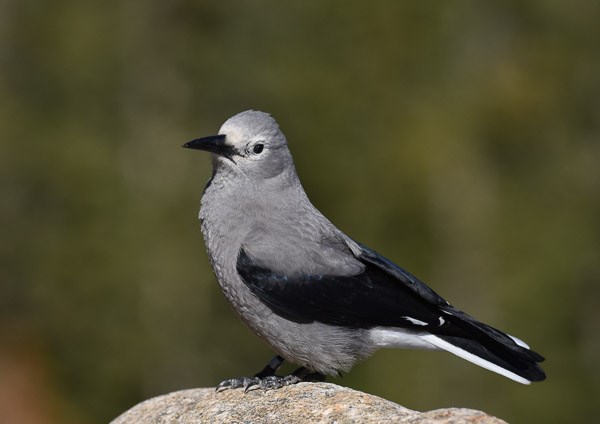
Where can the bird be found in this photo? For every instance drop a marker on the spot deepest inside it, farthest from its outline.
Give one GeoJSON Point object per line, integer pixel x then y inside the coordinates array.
{"type": "Point", "coordinates": [317, 297]}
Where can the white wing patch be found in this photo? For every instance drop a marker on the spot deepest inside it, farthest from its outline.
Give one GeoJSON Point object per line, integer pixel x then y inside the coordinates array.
{"type": "Point", "coordinates": [415, 321]}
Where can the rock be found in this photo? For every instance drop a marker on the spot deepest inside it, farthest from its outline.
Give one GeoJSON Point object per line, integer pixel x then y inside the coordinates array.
{"type": "Point", "coordinates": [301, 403]}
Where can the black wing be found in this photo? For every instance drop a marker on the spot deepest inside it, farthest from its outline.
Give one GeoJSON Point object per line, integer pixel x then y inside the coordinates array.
{"type": "Point", "coordinates": [379, 296]}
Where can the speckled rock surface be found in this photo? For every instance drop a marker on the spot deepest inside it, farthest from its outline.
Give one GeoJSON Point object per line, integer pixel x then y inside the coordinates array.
{"type": "Point", "coordinates": [301, 403]}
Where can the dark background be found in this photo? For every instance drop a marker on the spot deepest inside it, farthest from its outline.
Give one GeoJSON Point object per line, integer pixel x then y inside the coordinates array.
{"type": "Point", "coordinates": [460, 139]}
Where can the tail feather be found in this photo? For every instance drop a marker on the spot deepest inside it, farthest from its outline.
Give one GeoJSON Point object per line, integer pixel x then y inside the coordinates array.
{"type": "Point", "coordinates": [474, 358]}
{"type": "Point", "coordinates": [490, 337]}
{"type": "Point", "coordinates": [519, 342]}
{"type": "Point", "coordinates": [488, 347]}
{"type": "Point", "coordinates": [519, 369]}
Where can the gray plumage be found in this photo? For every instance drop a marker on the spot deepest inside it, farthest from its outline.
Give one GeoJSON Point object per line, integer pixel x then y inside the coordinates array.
{"type": "Point", "coordinates": [291, 275]}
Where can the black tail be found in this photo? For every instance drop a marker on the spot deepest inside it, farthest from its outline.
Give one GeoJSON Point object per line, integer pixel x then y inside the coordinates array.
{"type": "Point", "coordinates": [489, 348]}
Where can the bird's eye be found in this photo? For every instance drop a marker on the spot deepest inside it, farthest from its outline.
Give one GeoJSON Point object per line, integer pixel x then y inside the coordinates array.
{"type": "Point", "coordinates": [258, 148]}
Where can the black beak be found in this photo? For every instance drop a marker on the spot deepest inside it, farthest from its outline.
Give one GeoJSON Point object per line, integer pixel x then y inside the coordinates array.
{"type": "Point", "coordinates": [213, 144]}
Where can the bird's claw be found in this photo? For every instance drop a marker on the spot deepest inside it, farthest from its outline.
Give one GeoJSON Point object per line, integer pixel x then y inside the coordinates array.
{"type": "Point", "coordinates": [271, 382]}
{"type": "Point", "coordinates": [235, 383]}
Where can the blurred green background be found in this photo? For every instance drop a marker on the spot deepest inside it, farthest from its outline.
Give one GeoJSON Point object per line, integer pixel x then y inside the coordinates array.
{"type": "Point", "coordinates": [460, 139]}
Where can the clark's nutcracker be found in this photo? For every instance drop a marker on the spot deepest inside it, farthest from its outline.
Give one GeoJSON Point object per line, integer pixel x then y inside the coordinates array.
{"type": "Point", "coordinates": [320, 299]}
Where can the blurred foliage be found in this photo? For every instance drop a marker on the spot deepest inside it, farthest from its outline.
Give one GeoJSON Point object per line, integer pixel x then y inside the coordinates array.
{"type": "Point", "coordinates": [460, 139]}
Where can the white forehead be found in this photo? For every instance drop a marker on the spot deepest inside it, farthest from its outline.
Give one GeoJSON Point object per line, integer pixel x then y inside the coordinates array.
{"type": "Point", "coordinates": [248, 126]}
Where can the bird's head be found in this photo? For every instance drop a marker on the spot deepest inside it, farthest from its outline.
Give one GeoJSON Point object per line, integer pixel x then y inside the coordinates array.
{"type": "Point", "coordinates": [249, 142]}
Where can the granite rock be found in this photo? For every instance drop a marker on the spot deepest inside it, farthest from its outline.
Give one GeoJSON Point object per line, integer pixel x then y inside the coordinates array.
{"type": "Point", "coordinates": [300, 403]}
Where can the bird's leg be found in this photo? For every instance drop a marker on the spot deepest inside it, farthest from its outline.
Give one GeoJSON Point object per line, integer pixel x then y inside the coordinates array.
{"type": "Point", "coordinates": [271, 367]}
{"type": "Point", "coordinates": [267, 380]}
{"type": "Point", "coordinates": [268, 371]}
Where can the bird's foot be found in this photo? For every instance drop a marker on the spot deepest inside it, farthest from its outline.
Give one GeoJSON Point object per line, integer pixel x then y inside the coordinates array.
{"type": "Point", "coordinates": [270, 382]}
{"type": "Point", "coordinates": [267, 380]}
